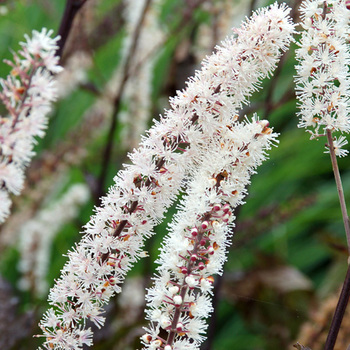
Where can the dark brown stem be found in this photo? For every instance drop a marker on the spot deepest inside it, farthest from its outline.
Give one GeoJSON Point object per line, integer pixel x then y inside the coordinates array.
{"type": "Point", "coordinates": [90, 87]}
{"type": "Point", "coordinates": [176, 318]}
{"type": "Point", "coordinates": [345, 293]}
{"type": "Point", "coordinates": [70, 11]}
{"type": "Point", "coordinates": [339, 313]}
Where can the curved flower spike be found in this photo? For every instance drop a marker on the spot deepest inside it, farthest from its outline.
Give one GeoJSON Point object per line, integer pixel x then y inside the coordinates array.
{"type": "Point", "coordinates": [174, 146]}
{"type": "Point", "coordinates": [27, 94]}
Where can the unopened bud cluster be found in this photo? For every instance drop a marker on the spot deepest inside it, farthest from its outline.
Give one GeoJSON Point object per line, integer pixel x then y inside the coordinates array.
{"type": "Point", "coordinates": [195, 249]}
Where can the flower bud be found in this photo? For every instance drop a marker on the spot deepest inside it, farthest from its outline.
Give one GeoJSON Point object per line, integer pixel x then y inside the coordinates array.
{"type": "Point", "coordinates": [226, 217]}
{"type": "Point", "coordinates": [194, 232]}
{"type": "Point", "coordinates": [217, 207]}
{"type": "Point", "coordinates": [174, 290]}
{"type": "Point", "coordinates": [226, 208]}
{"type": "Point", "coordinates": [179, 327]}
{"type": "Point", "coordinates": [216, 224]}
{"type": "Point", "coordinates": [210, 279]}
{"type": "Point", "coordinates": [164, 322]}
{"type": "Point", "coordinates": [205, 225]}
{"type": "Point", "coordinates": [146, 338]}
{"type": "Point", "coordinates": [157, 343]}
{"type": "Point", "coordinates": [177, 300]}
{"type": "Point", "coordinates": [191, 281]}
{"type": "Point", "coordinates": [201, 266]}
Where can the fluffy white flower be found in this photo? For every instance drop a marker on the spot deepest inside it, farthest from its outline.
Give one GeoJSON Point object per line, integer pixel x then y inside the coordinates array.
{"type": "Point", "coordinates": [172, 149]}
{"type": "Point", "coordinates": [206, 229]}
{"type": "Point", "coordinates": [42, 45]}
{"type": "Point", "coordinates": [11, 177]}
{"type": "Point", "coordinates": [338, 144]}
{"type": "Point", "coordinates": [27, 93]}
{"type": "Point", "coordinates": [323, 71]}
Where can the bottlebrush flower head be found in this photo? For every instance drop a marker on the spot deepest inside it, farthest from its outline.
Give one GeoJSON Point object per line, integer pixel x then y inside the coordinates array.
{"type": "Point", "coordinates": [172, 149]}
{"type": "Point", "coordinates": [27, 94]}
{"type": "Point", "coordinates": [195, 249]}
{"type": "Point", "coordinates": [323, 71]}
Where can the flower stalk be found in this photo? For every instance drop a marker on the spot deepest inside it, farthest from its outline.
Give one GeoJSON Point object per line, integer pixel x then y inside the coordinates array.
{"type": "Point", "coordinates": [173, 149]}
{"type": "Point", "coordinates": [195, 249]}
{"type": "Point", "coordinates": [323, 86]}
{"type": "Point", "coordinates": [339, 313]}
{"type": "Point", "coordinates": [339, 186]}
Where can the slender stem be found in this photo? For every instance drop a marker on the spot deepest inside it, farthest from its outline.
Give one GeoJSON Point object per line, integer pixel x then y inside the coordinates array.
{"type": "Point", "coordinates": [70, 11]}
{"type": "Point", "coordinates": [345, 293]}
{"type": "Point", "coordinates": [339, 313]}
{"type": "Point", "coordinates": [339, 187]}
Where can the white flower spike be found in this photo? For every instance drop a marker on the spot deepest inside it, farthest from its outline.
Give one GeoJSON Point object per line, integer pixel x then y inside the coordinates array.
{"type": "Point", "coordinates": [175, 145]}
{"type": "Point", "coordinates": [195, 249]}
{"type": "Point", "coordinates": [323, 84]}
{"type": "Point", "coordinates": [27, 94]}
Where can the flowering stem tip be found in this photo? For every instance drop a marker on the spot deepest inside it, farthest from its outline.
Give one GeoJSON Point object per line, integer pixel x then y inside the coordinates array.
{"type": "Point", "coordinates": [27, 93]}
{"type": "Point", "coordinates": [172, 151]}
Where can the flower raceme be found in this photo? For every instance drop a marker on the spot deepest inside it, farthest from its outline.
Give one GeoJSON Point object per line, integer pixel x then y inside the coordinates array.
{"type": "Point", "coordinates": [323, 71]}
{"type": "Point", "coordinates": [172, 149]}
{"type": "Point", "coordinates": [27, 94]}
{"type": "Point", "coordinates": [195, 249]}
